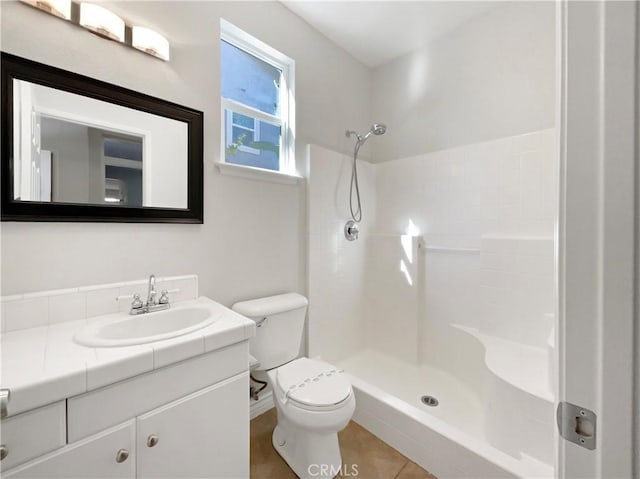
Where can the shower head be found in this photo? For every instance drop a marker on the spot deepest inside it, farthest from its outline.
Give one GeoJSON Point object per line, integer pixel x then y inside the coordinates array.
{"type": "Point", "coordinates": [376, 129]}
{"type": "Point", "coordinates": [379, 128]}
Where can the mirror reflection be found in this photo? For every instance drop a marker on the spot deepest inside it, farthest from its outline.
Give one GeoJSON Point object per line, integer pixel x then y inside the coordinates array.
{"type": "Point", "coordinates": [70, 148]}
{"type": "Point", "coordinates": [82, 164]}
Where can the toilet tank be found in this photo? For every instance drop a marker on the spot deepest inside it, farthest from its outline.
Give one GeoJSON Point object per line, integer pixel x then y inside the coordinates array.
{"type": "Point", "coordinates": [280, 323]}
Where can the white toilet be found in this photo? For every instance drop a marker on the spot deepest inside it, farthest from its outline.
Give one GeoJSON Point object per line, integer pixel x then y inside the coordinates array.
{"type": "Point", "coordinates": [314, 399]}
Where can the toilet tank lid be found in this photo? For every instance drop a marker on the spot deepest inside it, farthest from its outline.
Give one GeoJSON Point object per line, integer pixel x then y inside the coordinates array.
{"type": "Point", "coordinates": [270, 305]}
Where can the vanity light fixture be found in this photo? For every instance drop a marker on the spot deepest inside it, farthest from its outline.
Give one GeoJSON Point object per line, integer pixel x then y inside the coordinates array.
{"type": "Point", "coordinates": [59, 8]}
{"type": "Point", "coordinates": [101, 21]}
{"type": "Point", "coordinates": [107, 24]}
{"type": "Point", "coordinates": [151, 42]}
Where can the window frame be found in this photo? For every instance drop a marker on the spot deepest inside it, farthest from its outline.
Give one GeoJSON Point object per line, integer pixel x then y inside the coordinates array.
{"type": "Point", "coordinates": [286, 101]}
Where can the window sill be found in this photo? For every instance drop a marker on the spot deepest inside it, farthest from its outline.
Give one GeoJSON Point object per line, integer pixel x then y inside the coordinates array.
{"type": "Point", "coordinates": [257, 173]}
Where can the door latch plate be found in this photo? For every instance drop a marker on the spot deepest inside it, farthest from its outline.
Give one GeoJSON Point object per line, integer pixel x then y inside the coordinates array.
{"type": "Point", "coordinates": [577, 424]}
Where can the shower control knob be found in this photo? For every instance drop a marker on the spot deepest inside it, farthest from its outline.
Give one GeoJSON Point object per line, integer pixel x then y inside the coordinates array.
{"type": "Point", "coordinates": [351, 230]}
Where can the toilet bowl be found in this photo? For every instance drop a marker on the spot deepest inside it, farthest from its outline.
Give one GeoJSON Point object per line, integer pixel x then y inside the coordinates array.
{"type": "Point", "coordinates": [313, 399]}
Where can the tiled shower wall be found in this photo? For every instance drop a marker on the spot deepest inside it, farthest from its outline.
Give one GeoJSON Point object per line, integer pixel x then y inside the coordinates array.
{"type": "Point", "coordinates": [461, 236]}
{"type": "Point", "coordinates": [335, 265]}
{"type": "Point", "coordinates": [485, 215]}
{"type": "Point", "coordinates": [504, 187]}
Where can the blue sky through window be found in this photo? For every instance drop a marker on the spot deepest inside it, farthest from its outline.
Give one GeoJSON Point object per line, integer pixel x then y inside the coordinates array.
{"type": "Point", "coordinates": [249, 80]}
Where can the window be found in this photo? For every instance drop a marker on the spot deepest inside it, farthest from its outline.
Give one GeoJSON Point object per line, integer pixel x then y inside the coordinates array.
{"type": "Point", "coordinates": [257, 103]}
{"type": "Point", "coordinates": [241, 132]}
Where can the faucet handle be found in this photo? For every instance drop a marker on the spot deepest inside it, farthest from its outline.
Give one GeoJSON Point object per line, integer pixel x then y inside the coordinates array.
{"type": "Point", "coordinates": [164, 297]}
{"type": "Point", "coordinates": [137, 302]}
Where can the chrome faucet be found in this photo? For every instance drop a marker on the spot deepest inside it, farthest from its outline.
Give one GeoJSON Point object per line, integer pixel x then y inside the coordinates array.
{"type": "Point", "coordinates": [151, 305]}
{"type": "Point", "coordinates": [151, 292]}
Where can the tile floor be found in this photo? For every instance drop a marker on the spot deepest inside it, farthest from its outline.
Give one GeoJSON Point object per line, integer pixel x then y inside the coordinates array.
{"type": "Point", "coordinates": [374, 458]}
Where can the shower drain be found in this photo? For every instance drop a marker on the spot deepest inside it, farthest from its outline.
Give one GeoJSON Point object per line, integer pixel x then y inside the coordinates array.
{"type": "Point", "coordinates": [429, 401]}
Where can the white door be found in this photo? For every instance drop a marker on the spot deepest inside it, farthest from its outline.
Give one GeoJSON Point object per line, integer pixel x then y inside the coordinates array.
{"type": "Point", "coordinates": [109, 454]}
{"type": "Point", "coordinates": [597, 232]}
{"type": "Point", "coordinates": [203, 435]}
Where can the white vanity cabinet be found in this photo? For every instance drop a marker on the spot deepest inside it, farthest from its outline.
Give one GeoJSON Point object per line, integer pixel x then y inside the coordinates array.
{"type": "Point", "coordinates": [186, 420]}
{"type": "Point", "coordinates": [110, 454]}
{"type": "Point", "coordinates": [204, 432]}
{"type": "Point", "coordinates": [20, 444]}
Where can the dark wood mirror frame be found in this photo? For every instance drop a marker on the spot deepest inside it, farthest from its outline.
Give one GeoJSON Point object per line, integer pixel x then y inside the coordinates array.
{"type": "Point", "coordinates": [14, 67]}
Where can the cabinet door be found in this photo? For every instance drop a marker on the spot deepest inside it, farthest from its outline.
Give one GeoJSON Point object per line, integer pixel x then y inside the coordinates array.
{"type": "Point", "coordinates": [93, 457]}
{"type": "Point", "coordinates": [32, 434]}
{"type": "Point", "coordinates": [204, 435]}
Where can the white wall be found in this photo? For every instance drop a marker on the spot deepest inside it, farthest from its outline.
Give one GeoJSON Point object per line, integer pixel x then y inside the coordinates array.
{"type": "Point", "coordinates": [490, 78]}
{"type": "Point", "coordinates": [252, 241]}
{"type": "Point", "coordinates": [69, 144]}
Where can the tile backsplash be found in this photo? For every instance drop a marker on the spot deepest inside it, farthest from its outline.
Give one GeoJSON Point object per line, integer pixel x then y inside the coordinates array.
{"type": "Point", "coordinates": [30, 310]}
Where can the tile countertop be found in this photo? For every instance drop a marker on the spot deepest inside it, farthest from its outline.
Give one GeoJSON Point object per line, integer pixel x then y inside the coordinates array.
{"type": "Point", "coordinates": [42, 365]}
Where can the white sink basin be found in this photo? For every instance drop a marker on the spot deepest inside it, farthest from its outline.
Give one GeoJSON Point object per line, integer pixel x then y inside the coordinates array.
{"type": "Point", "coordinates": [126, 330]}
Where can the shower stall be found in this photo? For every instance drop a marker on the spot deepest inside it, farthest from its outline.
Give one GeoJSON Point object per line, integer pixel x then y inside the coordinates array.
{"type": "Point", "coordinates": [495, 268]}
{"type": "Point", "coordinates": [442, 311]}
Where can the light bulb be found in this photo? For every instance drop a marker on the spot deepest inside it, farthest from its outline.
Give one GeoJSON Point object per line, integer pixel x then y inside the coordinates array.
{"type": "Point", "coordinates": [151, 42]}
{"type": "Point", "coordinates": [101, 21]}
{"type": "Point", "coordinates": [59, 8]}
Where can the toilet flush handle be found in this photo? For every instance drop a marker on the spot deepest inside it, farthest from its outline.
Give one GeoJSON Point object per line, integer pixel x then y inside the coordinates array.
{"type": "Point", "coordinates": [260, 321]}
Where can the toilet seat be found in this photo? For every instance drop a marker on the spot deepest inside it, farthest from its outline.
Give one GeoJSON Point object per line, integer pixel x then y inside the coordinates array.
{"type": "Point", "coordinates": [313, 384]}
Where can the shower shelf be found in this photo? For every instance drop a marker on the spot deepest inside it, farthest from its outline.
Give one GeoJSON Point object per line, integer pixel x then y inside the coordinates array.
{"type": "Point", "coordinates": [445, 249]}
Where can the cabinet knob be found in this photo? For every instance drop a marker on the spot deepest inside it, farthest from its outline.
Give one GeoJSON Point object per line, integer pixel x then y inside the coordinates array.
{"type": "Point", "coordinates": [152, 440]}
{"type": "Point", "coordinates": [5, 394]}
{"type": "Point", "coordinates": [4, 452]}
{"type": "Point", "coordinates": [122, 455]}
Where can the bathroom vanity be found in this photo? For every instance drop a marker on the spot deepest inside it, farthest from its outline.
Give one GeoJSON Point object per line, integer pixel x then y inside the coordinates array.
{"type": "Point", "coordinates": [176, 407]}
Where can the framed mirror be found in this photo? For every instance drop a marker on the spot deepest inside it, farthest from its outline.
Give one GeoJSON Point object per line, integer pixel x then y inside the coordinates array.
{"type": "Point", "coordinates": [79, 149]}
